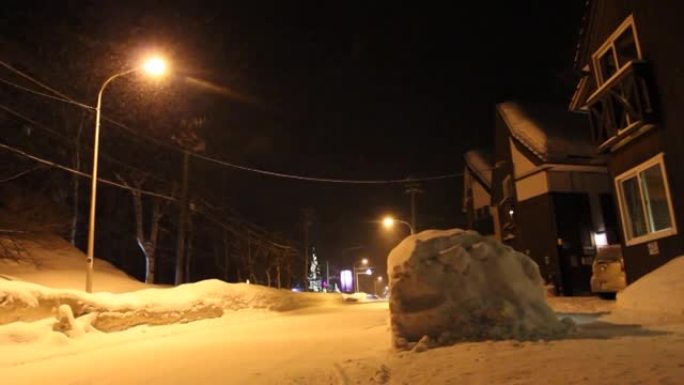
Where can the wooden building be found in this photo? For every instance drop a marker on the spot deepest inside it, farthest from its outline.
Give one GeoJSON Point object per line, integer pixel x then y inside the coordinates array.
{"type": "Point", "coordinates": [632, 89]}
{"type": "Point", "coordinates": [477, 185]}
{"type": "Point", "coordinates": [550, 193]}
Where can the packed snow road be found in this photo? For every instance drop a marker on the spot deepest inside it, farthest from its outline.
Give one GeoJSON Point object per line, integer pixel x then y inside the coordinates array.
{"type": "Point", "coordinates": [343, 344]}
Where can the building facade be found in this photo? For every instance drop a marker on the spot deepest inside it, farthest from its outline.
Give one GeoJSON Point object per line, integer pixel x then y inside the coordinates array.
{"type": "Point", "coordinates": [632, 90]}
{"type": "Point", "coordinates": [551, 196]}
{"type": "Point", "coordinates": [477, 197]}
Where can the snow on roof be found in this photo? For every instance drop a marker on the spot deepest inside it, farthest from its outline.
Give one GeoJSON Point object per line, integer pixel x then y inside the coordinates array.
{"type": "Point", "coordinates": [480, 163]}
{"type": "Point", "coordinates": [552, 133]}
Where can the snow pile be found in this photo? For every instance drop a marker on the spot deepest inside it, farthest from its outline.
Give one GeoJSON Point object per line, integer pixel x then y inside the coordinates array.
{"type": "Point", "coordinates": [456, 285]}
{"type": "Point", "coordinates": [659, 293]}
{"type": "Point", "coordinates": [23, 301]}
{"type": "Point", "coordinates": [49, 260]}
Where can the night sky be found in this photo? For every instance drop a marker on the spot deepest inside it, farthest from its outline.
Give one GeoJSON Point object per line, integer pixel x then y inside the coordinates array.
{"type": "Point", "coordinates": [340, 89]}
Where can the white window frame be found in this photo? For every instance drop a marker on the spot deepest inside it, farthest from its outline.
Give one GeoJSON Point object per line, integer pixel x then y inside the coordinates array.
{"type": "Point", "coordinates": [626, 221]}
{"type": "Point", "coordinates": [610, 43]}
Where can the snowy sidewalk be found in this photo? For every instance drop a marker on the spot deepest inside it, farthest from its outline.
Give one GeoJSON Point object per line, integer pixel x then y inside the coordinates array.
{"type": "Point", "coordinates": [338, 345]}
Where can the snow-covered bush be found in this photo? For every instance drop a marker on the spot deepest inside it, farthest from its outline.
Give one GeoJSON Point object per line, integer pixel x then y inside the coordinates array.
{"type": "Point", "coordinates": [455, 285]}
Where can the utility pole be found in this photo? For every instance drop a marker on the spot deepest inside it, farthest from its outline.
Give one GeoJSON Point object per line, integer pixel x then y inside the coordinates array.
{"type": "Point", "coordinates": [307, 219]}
{"type": "Point", "coordinates": [187, 138]}
{"type": "Point", "coordinates": [327, 274]}
{"type": "Point", "coordinates": [182, 221]}
{"type": "Point", "coordinates": [412, 189]}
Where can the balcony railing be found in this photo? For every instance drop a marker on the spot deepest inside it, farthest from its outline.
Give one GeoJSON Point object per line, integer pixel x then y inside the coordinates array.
{"type": "Point", "coordinates": [622, 105]}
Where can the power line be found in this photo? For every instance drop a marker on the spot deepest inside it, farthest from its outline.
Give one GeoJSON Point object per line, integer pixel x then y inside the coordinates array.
{"type": "Point", "coordinates": [61, 136]}
{"type": "Point", "coordinates": [18, 175]}
{"type": "Point", "coordinates": [66, 98]}
{"type": "Point", "coordinates": [53, 132]}
{"type": "Point", "coordinates": [83, 174]}
{"type": "Point", "coordinates": [43, 85]}
{"type": "Point", "coordinates": [249, 227]}
{"type": "Point", "coordinates": [18, 86]}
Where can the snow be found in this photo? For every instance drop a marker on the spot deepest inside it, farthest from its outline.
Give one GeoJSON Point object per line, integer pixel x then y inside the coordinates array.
{"type": "Point", "coordinates": [456, 285]}
{"type": "Point", "coordinates": [49, 260]}
{"type": "Point", "coordinates": [480, 162]}
{"type": "Point", "coordinates": [659, 294]}
{"type": "Point", "coordinates": [339, 344]}
{"type": "Point", "coordinates": [317, 338]}
{"type": "Point", "coordinates": [23, 301]}
{"type": "Point", "coordinates": [551, 133]}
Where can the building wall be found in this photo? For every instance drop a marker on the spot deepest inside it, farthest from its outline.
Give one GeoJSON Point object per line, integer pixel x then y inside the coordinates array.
{"type": "Point", "coordinates": [536, 224]}
{"type": "Point", "coordinates": [481, 196]}
{"type": "Point", "coordinates": [502, 168]}
{"type": "Point", "coordinates": [522, 164]}
{"type": "Point", "coordinates": [659, 30]}
{"type": "Point", "coordinates": [477, 208]}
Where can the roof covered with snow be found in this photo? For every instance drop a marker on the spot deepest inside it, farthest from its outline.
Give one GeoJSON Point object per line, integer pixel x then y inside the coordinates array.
{"type": "Point", "coordinates": [480, 163]}
{"type": "Point", "coordinates": [551, 132]}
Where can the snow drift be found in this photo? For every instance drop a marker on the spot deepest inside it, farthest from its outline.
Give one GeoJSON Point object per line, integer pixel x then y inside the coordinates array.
{"type": "Point", "coordinates": [454, 285]}
{"type": "Point", "coordinates": [659, 292]}
{"type": "Point", "coordinates": [23, 301]}
{"type": "Point", "coordinates": [48, 260]}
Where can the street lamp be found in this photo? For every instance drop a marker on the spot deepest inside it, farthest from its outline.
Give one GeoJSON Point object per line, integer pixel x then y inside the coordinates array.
{"type": "Point", "coordinates": [389, 221]}
{"type": "Point", "coordinates": [375, 284]}
{"type": "Point", "coordinates": [362, 269]}
{"type": "Point", "coordinates": [154, 67]}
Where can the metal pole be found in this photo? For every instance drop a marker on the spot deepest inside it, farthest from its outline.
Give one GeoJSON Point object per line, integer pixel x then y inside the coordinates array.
{"type": "Point", "coordinates": [413, 210]}
{"type": "Point", "coordinates": [90, 252]}
{"type": "Point", "coordinates": [327, 274]}
{"type": "Point", "coordinates": [182, 221]}
{"type": "Point", "coordinates": [412, 189]}
{"type": "Point", "coordinates": [411, 229]}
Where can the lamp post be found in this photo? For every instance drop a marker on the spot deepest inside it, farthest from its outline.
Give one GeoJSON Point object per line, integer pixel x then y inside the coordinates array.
{"type": "Point", "coordinates": [154, 67]}
{"type": "Point", "coordinates": [389, 221]}
{"type": "Point", "coordinates": [362, 269]}
{"type": "Point", "coordinates": [375, 284]}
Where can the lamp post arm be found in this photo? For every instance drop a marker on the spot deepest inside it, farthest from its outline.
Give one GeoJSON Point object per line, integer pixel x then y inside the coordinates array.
{"type": "Point", "coordinates": [407, 224]}
{"type": "Point", "coordinates": [93, 184]}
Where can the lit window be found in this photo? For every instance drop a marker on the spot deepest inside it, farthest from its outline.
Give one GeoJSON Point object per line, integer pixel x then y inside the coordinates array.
{"type": "Point", "coordinates": [645, 203]}
{"type": "Point", "coordinates": [621, 48]}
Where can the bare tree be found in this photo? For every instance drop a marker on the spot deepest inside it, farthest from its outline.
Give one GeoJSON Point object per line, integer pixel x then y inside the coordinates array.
{"type": "Point", "coordinates": [146, 241]}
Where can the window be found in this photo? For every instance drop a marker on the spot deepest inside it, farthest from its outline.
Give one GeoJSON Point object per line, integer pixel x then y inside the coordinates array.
{"type": "Point", "coordinates": [645, 203]}
{"type": "Point", "coordinates": [621, 48]}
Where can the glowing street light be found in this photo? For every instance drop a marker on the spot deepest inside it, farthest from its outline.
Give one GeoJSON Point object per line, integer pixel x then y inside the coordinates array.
{"type": "Point", "coordinates": [389, 221]}
{"type": "Point", "coordinates": [154, 67]}
{"type": "Point", "coordinates": [361, 268]}
{"type": "Point", "coordinates": [377, 281]}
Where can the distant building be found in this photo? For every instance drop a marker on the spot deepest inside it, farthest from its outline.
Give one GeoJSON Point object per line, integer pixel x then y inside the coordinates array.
{"type": "Point", "coordinates": [477, 186]}
{"type": "Point", "coordinates": [550, 193]}
{"type": "Point", "coordinates": [632, 89]}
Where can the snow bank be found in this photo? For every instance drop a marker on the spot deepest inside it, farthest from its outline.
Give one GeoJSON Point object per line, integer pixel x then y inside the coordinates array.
{"type": "Point", "coordinates": [659, 293]}
{"type": "Point", "coordinates": [455, 285]}
{"type": "Point", "coordinates": [23, 301]}
{"type": "Point", "coordinates": [49, 260]}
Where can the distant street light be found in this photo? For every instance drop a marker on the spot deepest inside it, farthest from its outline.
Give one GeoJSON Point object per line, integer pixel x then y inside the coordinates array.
{"type": "Point", "coordinates": [362, 269]}
{"type": "Point", "coordinates": [389, 221]}
{"type": "Point", "coordinates": [375, 284]}
{"type": "Point", "coordinates": [154, 67]}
